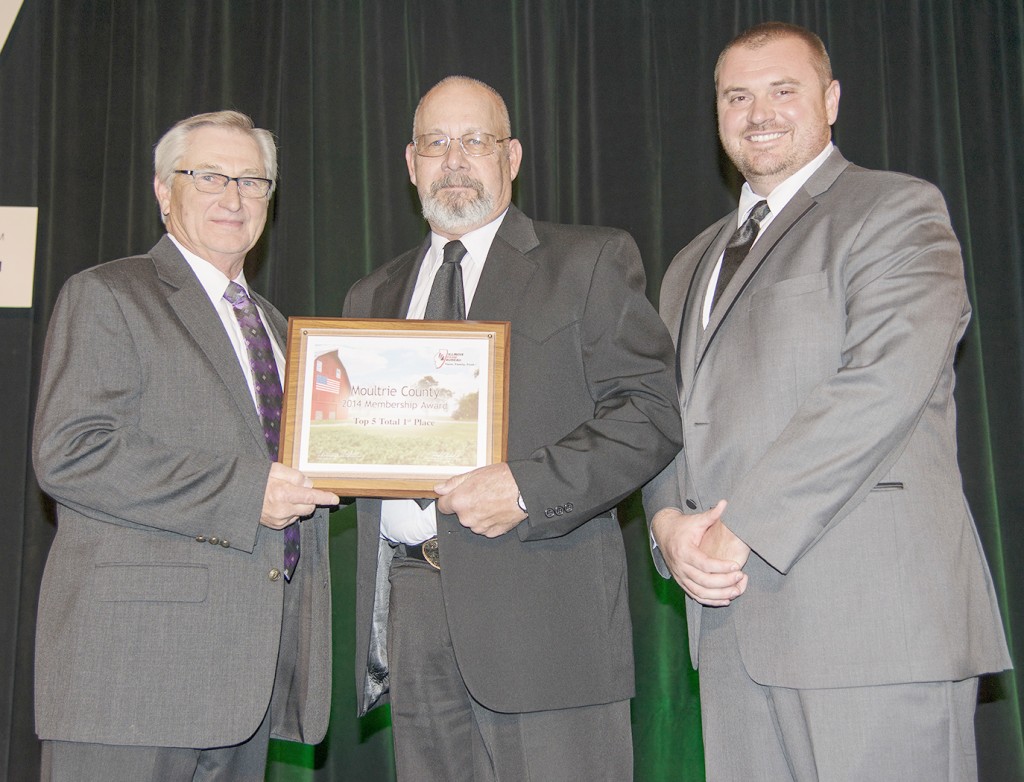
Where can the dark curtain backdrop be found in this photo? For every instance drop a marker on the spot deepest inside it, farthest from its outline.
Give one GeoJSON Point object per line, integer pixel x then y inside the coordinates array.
{"type": "Point", "coordinates": [614, 105]}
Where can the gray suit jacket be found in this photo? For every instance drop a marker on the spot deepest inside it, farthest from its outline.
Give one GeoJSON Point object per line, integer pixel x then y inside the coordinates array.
{"type": "Point", "coordinates": [147, 437]}
{"type": "Point", "coordinates": [539, 616]}
{"type": "Point", "coordinates": [819, 403]}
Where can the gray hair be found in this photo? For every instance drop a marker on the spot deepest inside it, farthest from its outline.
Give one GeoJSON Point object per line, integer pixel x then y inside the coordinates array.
{"type": "Point", "coordinates": [170, 149]}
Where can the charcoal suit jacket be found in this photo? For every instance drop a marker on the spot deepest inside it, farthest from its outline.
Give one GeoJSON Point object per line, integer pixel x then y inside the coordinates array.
{"type": "Point", "coordinates": [539, 616]}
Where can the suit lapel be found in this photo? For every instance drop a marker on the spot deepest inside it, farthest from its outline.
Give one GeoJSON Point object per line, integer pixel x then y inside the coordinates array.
{"type": "Point", "coordinates": [192, 306]}
{"type": "Point", "coordinates": [691, 332]}
{"type": "Point", "coordinates": [505, 275]}
{"type": "Point", "coordinates": [393, 296]}
{"type": "Point", "coordinates": [507, 270]}
{"type": "Point", "coordinates": [798, 207]}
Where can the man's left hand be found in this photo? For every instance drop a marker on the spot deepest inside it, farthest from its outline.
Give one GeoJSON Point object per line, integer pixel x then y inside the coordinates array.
{"type": "Point", "coordinates": [485, 500]}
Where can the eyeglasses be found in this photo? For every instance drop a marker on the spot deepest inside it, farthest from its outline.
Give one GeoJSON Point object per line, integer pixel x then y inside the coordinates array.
{"type": "Point", "coordinates": [473, 144]}
{"type": "Point", "coordinates": [210, 182]}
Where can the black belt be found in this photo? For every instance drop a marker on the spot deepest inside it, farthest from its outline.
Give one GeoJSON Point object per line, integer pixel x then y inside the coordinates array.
{"type": "Point", "coordinates": [427, 551]}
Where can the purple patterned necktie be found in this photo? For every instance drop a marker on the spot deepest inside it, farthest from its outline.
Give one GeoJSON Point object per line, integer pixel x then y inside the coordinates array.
{"type": "Point", "coordinates": [268, 393]}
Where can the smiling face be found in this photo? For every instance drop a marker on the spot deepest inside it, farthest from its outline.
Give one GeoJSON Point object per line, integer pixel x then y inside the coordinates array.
{"type": "Point", "coordinates": [774, 113]}
{"type": "Point", "coordinates": [460, 193]}
{"type": "Point", "coordinates": [218, 227]}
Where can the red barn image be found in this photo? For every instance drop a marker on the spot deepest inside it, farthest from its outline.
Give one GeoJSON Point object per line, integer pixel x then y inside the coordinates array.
{"type": "Point", "coordinates": [331, 387]}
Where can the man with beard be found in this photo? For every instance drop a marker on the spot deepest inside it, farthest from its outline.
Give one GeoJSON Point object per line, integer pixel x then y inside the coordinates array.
{"type": "Point", "coordinates": [497, 618]}
{"type": "Point", "coordinates": [840, 606]}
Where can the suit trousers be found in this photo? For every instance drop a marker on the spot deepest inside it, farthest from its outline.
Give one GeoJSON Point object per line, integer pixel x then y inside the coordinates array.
{"type": "Point", "coordinates": [72, 761]}
{"type": "Point", "coordinates": [442, 734]}
{"type": "Point", "coordinates": [913, 732]}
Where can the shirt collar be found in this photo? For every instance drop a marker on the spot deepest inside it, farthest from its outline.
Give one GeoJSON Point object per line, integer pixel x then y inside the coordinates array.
{"type": "Point", "coordinates": [477, 242]}
{"type": "Point", "coordinates": [213, 280]}
{"type": "Point", "coordinates": [784, 191]}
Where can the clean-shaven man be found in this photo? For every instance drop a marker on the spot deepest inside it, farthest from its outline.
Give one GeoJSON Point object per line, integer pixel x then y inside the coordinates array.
{"type": "Point", "coordinates": [185, 609]}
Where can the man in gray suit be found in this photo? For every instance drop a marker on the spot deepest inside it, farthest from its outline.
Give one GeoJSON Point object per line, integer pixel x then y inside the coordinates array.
{"type": "Point", "coordinates": [514, 660]}
{"type": "Point", "coordinates": [174, 637]}
{"type": "Point", "coordinates": [840, 605]}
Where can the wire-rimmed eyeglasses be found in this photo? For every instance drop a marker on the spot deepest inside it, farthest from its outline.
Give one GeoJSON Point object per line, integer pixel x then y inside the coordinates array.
{"type": "Point", "coordinates": [473, 144]}
{"type": "Point", "coordinates": [212, 182]}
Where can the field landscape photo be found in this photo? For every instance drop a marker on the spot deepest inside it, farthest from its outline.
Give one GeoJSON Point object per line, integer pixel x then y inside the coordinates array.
{"type": "Point", "coordinates": [398, 404]}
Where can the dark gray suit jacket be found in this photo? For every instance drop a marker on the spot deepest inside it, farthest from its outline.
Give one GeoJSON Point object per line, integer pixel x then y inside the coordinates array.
{"type": "Point", "coordinates": [819, 403]}
{"type": "Point", "coordinates": [539, 616]}
{"type": "Point", "coordinates": [147, 437]}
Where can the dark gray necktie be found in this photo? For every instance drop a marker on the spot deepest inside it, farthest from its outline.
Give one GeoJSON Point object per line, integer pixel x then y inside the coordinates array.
{"type": "Point", "coordinates": [447, 300]}
{"type": "Point", "coordinates": [738, 247]}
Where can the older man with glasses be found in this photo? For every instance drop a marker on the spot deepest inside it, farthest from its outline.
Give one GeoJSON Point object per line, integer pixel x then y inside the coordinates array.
{"type": "Point", "coordinates": [496, 619]}
{"type": "Point", "coordinates": [185, 614]}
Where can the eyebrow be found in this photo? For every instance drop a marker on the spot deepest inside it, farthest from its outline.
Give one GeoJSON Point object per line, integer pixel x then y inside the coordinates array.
{"type": "Point", "coordinates": [786, 82]}
{"type": "Point", "coordinates": [217, 168]}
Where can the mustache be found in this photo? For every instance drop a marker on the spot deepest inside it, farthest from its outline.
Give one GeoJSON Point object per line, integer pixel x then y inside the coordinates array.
{"type": "Point", "coordinates": [766, 128]}
{"type": "Point", "coordinates": [456, 179]}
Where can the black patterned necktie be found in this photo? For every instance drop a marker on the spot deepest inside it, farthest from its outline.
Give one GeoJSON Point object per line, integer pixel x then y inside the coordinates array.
{"type": "Point", "coordinates": [267, 383]}
{"type": "Point", "coordinates": [447, 300]}
{"type": "Point", "coordinates": [738, 247]}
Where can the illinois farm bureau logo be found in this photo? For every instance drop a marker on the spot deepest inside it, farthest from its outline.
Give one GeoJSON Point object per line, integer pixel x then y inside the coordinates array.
{"type": "Point", "coordinates": [445, 357]}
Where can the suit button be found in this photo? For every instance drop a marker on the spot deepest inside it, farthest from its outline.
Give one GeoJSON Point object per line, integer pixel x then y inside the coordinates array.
{"type": "Point", "coordinates": [569, 507]}
{"type": "Point", "coordinates": [559, 510]}
{"type": "Point", "coordinates": [550, 513]}
{"type": "Point", "coordinates": [274, 574]}
{"type": "Point", "coordinates": [224, 543]}
{"type": "Point", "coordinates": [691, 505]}
{"type": "Point", "coordinates": [214, 541]}
{"type": "Point", "coordinates": [200, 538]}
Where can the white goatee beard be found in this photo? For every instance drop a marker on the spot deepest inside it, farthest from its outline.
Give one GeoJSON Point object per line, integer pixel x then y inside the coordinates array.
{"type": "Point", "coordinates": [456, 215]}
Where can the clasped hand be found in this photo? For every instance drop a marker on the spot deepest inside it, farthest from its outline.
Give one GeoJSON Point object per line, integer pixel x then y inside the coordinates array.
{"type": "Point", "coordinates": [705, 558]}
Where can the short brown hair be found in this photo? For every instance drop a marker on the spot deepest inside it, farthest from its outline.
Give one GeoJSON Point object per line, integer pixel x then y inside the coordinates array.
{"type": "Point", "coordinates": [761, 34]}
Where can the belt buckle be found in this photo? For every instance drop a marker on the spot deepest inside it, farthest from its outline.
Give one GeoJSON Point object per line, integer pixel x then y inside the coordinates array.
{"type": "Point", "coordinates": [432, 553]}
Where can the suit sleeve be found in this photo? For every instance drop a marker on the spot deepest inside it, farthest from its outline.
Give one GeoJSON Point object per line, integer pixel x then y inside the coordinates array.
{"type": "Point", "coordinates": [906, 308]}
{"type": "Point", "coordinates": [661, 492]}
{"type": "Point", "coordinates": [628, 364]}
{"type": "Point", "coordinates": [91, 452]}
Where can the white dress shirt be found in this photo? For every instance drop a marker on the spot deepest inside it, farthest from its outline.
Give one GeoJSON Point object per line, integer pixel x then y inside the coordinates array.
{"type": "Point", "coordinates": [215, 283]}
{"type": "Point", "coordinates": [781, 195]}
{"type": "Point", "coordinates": [404, 521]}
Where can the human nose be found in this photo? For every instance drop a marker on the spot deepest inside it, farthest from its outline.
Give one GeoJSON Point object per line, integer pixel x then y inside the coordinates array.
{"type": "Point", "coordinates": [455, 156]}
{"type": "Point", "coordinates": [230, 197]}
{"type": "Point", "coordinates": [760, 111]}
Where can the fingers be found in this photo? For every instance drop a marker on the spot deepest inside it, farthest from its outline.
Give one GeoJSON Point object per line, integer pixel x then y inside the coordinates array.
{"type": "Point", "coordinates": [290, 495]}
{"type": "Point", "coordinates": [483, 499]}
{"type": "Point", "coordinates": [450, 485]}
{"type": "Point", "coordinates": [709, 580]}
{"type": "Point", "coordinates": [715, 597]}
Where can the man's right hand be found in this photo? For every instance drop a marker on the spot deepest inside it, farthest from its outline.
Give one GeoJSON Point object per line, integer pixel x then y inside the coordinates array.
{"type": "Point", "coordinates": [289, 496]}
{"type": "Point", "coordinates": [711, 582]}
